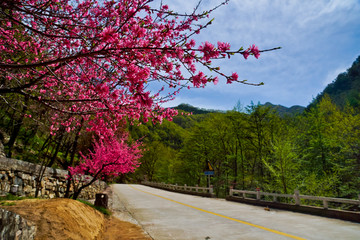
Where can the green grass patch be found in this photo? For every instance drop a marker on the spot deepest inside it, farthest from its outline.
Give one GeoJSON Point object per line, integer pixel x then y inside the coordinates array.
{"type": "Point", "coordinates": [7, 203]}
{"type": "Point", "coordinates": [13, 197]}
{"type": "Point", "coordinates": [100, 209]}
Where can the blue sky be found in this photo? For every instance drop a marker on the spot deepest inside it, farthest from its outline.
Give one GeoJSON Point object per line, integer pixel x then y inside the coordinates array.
{"type": "Point", "coordinates": [319, 40]}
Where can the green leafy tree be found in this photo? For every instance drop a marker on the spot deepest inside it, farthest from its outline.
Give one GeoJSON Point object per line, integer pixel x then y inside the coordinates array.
{"type": "Point", "coordinates": [283, 164]}
{"type": "Point", "coordinates": [262, 126]}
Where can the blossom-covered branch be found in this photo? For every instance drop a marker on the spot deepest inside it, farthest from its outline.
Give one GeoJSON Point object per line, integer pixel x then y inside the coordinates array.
{"type": "Point", "coordinates": [92, 58]}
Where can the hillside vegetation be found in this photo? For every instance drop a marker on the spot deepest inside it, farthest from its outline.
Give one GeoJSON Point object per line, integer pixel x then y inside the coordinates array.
{"type": "Point", "coordinates": [345, 89]}
{"type": "Point", "coordinates": [279, 149]}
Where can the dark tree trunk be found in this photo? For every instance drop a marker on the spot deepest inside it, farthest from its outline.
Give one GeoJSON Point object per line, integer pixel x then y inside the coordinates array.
{"type": "Point", "coordinates": [58, 145]}
{"type": "Point", "coordinates": [72, 156]}
{"type": "Point", "coordinates": [17, 127]}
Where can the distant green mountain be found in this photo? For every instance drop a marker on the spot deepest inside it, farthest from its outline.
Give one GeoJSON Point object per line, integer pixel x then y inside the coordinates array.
{"type": "Point", "coordinates": [188, 108]}
{"type": "Point", "coordinates": [281, 110]}
{"type": "Point", "coordinates": [284, 111]}
{"type": "Point", "coordinates": [345, 88]}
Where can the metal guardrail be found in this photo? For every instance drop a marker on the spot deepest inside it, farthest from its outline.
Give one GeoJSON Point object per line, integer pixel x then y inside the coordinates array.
{"type": "Point", "coordinates": [180, 187]}
{"type": "Point", "coordinates": [296, 197]}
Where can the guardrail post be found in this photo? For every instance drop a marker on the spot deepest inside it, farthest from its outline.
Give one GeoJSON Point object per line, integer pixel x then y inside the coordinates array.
{"type": "Point", "coordinates": [231, 190]}
{"type": "Point", "coordinates": [197, 188]}
{"type": "Point", "coordinates": [185, 187]}
{"type": "Point", "coordinates": [211, 189]}
{"type": "Point", "coordinates": [274, 198]}
{"type": "Point", "coordinates": [297, 197]}
{"type": "Point", "coordinates": [244, 195]}
{"type": "Point", "coordinates": [257, 193]}
{"type": "Point", "coordinates": [326, 206]}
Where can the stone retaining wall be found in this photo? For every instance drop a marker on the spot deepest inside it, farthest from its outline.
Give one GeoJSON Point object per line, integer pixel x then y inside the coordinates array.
{"type": "Point", "coordinates": [13, 226]}
{"type": "Point", "coordinates": [19, 178]}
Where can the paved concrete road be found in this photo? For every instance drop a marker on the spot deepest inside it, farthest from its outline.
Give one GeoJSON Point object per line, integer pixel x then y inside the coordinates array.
{"type": "Point", "coordinates": [167, 215]}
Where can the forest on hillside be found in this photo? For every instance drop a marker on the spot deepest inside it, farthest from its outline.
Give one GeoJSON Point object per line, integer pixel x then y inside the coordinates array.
{"type": "Point", "coordinates": [276, 149]}
{"type": "Point", "coordinates": [316, 151]}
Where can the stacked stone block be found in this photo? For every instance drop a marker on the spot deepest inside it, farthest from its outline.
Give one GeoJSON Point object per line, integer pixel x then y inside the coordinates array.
{"type": "Point", "coordinates": [13, 226]}
{"type": "Point", "coordinates": [20, 178]}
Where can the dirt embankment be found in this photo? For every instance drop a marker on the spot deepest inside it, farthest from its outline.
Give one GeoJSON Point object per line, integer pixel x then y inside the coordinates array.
{"type": "Point", "coordinates": [68, 219]}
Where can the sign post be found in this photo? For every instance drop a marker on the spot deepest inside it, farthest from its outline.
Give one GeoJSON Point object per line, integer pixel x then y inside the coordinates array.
{"type": "Point", "coordinates": [208, 171]}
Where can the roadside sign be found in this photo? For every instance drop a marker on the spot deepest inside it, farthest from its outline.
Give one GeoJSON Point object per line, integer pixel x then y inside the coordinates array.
{"type": "Point", "coordinates": [208, 166]}
{"type": "Point", "coordinates": [209, 170]}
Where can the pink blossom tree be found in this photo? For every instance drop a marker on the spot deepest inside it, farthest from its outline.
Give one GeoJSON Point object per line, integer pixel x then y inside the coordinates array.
{"type": "Point", "coordinates": [93, 62]}
{"type": "Point", "coordinates": [109, 157]}
{"type": "Point", "coordinates": [97, 59]}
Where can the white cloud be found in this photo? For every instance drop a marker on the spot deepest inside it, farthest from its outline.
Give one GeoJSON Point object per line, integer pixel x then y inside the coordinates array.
{"type": "Point", "coordinates": [332, 10]}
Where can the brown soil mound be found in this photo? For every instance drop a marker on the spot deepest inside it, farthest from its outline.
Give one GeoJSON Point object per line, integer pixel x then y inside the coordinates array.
{"type": "Point", "coordinates": [69, 219]}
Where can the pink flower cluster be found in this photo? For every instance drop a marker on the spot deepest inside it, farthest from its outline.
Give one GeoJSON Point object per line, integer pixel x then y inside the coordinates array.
{"type": "Point", "coordinates": [199, 79]}
{"type": "Point", "coordinates": [232, 78]}
{"type": "Point", "coordinates": [109, 157]}
{"type": "Point", "coordinates": [251, 50]}
{"type": "Point", "coordinates": [209, 51]}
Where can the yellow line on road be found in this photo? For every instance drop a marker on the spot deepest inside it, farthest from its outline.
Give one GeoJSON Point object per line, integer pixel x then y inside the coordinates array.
{"type": "Point", "coordinates": [219, 215]}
